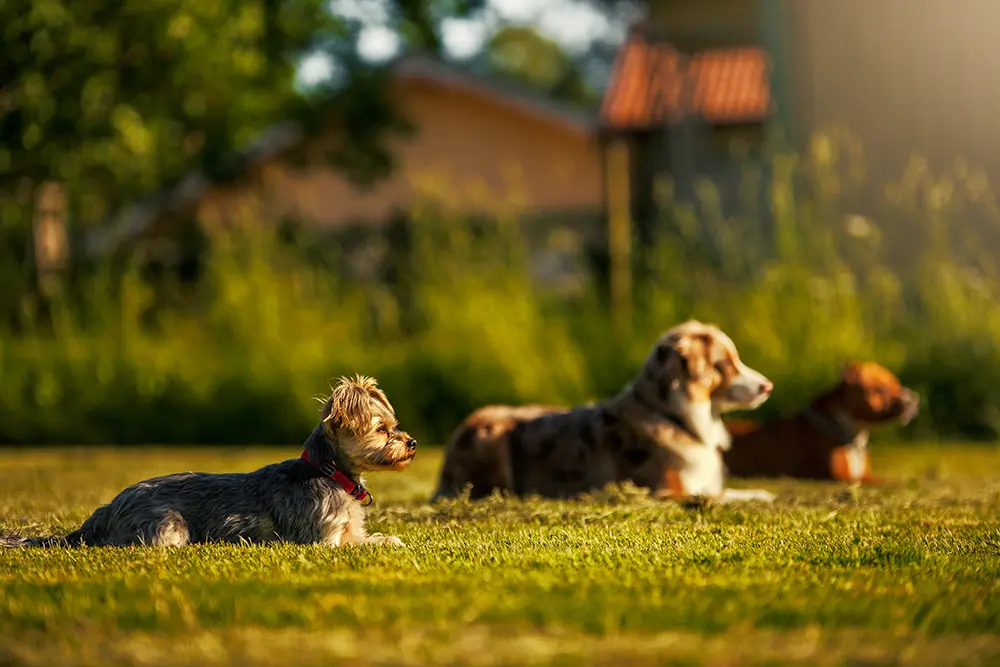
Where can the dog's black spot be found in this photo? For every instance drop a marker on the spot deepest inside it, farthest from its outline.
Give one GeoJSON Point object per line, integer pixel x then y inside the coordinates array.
{"type": "Point", "coordinates": [608, 419]}
{"type": "Point", "coordinates": [662, 351]}
{"type": "Point", "coordinates": [614, 440]}
{"type": "Point", "coordinates": [547, 445]}
{"type": "Point", "coordinates": [587, 435]}
{"type": "Point", "coordinates": [644, 401]}
{"type": "Point", "coordinates": [515, 447]}
{"type": "Point", "coordinates": [663, 389]}
{"type": "Point", "coordinates": [567, 475]}
{"type": "Point", "coordinates": [516, 456]}
{"type": "Point", "coordinates": [515, 438]}
{"type": "Point", "coordinates": [636, 457]}
{"type": "Point", "coordinates": [304, 471]}
{"type": "Point", "coordinates": [465, 440]}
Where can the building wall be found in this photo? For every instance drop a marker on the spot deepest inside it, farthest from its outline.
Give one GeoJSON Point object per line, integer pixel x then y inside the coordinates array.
{"type": "Point", "coordinates": [906, 76]}
{"type": "Point", "coordinates": [472, 152]}
{"type": "Point", "coordinates": [700, 24]}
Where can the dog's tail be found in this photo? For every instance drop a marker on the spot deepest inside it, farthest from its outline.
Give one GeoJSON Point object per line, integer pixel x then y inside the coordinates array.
{"type": "Point", "coordinates": [19, 542]}
{"type": "Point", "coordinates": [74, 539]}
{"type": "Point", "coordinates": [91, 532]}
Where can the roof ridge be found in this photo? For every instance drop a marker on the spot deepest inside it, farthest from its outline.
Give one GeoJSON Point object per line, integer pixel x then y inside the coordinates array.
{"type": "Point", "coordinates": [731, 84]}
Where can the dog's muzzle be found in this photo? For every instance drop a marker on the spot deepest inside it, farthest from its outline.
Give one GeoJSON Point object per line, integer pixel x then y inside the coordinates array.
{"type": "Point", "coordinates": [749, 389]}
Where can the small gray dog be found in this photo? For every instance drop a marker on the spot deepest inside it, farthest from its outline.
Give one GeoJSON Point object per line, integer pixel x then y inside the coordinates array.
{"type": "Point", "coordinates": [318, 498]}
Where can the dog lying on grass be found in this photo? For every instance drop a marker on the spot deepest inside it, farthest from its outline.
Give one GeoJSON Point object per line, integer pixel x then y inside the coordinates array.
{"type": "Point", "coordinates": [829, 439]}
{"type": "Point", "coordinates": [663, 431]}
{"type": "Point", "coordinates": [317, 498]}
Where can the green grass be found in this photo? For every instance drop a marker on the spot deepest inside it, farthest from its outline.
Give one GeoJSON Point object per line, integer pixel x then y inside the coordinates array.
{"type": "Point", "coordinates": [909, 573]}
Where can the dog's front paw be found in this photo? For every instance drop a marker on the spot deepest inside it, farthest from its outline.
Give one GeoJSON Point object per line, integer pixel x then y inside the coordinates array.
{"type": "Point", "coordinates": [756, 495]}
{"type": "Point", "coordinates": [748, 495]}
{"type": "Point", "coordinates": [391, 540]}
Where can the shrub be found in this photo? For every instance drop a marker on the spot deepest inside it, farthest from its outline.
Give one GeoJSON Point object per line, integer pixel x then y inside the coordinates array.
{"type": "Point", "coordinates": [802, 288]}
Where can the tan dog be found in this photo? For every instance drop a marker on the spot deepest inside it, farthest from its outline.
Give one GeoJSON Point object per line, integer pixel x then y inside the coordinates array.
{"type": "Point", "coordinates": [664, 431]}
{"type": "Point", "coordinates": [829, 439]}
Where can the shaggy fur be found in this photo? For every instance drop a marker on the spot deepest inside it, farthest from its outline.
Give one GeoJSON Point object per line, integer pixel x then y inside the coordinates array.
{"type": "Point", "coordinates": [829, 439]}
{"type": "Point", "coordinates": [291, 501]}
{"type": "Point", "coordinates": [663, 431]}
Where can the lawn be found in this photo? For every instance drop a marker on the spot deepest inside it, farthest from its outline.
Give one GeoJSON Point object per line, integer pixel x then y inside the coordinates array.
{"type": "Point", "coordinates": [905, 574]}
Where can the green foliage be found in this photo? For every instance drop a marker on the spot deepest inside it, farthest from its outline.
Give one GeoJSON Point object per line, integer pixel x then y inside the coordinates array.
{"type": "Point", "coordinates": [238, 357]}
{"type": "Point", "coordinates": [119, 99]}
{"type": "Point", "coordinates": [905, 573]}
{"type": "Point", "coordinates": [116, 101]}
{"type": "Point", "coordinates": [524, 55]}
{"type": "Point", "coordinates": [419, 21]}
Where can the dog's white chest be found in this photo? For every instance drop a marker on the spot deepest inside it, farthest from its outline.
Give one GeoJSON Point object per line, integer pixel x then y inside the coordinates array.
{"type": "Point", "coordinates": [850, 462]}
{"type": "Point", "coordinates": [702, 471]}
{"type": "Point", "coordinates": [344, 521]}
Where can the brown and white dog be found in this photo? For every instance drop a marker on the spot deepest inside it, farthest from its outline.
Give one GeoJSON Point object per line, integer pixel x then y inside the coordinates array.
{"type": "Point", "coordinates": [663, 431]}
{"type": "Point", "coordinates": [829, 439]}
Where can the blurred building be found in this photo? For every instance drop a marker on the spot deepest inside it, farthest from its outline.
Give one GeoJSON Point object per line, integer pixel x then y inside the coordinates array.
{"type": "Point", "coordinates": [479, 147]}
{"type": "Point", "coordinates": [906, 76]}
{"type": "Point", "coordinates": [684, 116]}
{"type": "Point", "coordinates": [700, 83]}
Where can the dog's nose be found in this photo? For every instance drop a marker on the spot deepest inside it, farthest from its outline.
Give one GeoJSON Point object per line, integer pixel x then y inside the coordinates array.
{"type": "Point", "coordinates": [411, 444]}
{"type": "Point", "coordinates": [766, 387]}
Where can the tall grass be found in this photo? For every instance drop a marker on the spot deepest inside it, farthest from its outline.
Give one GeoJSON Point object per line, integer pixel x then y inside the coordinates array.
{"type": "Point", "coordinates": [802, 284]}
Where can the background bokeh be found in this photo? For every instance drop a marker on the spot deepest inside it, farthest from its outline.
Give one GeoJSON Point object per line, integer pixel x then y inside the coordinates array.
{"type": "Point", "coordinates": [227, 339]}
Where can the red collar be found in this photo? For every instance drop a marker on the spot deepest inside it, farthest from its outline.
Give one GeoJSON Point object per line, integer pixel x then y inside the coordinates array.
{"type": "Point", "coordinates": [354, 489]}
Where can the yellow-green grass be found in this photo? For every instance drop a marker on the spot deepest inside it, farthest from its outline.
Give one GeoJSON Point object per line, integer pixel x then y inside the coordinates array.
{"type": "Point", "coordinates": [906, 574]}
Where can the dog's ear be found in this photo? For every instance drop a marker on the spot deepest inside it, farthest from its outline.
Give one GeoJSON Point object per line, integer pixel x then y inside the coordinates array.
{"type": "Point", "coordinates": [350, 406]}
{"type": "Point", "coordinates": [851, 373]}
{"type": "Point", "coordinates": [326, 412]}
{"type": "Point", "coordinates": [691, 352]}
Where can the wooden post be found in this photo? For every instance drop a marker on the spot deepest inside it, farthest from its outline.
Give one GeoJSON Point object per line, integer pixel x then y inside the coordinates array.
{"type": "Point", "coordinates": [619, 234]}
{"type": "Point", "coordinates": [776, 17]}
{"type": "Point", "coordinates": [51, 249]}
{"type": "Point", "coordinates": [398, 268]}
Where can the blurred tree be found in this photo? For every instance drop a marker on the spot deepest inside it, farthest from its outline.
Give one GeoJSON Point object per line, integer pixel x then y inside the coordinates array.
{"type": "Point", "coordinates": [115, 100]}
{"type": "Point", "coordinates": [419, 21]}
{"type": "Point", "coordinates": [523, 54]}
{"type": "Point", "coordinates": [520, 52]}
{"type": "Point", "coordinates": [122, 98]}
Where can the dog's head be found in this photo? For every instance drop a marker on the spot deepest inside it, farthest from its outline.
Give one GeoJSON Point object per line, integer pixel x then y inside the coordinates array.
{"type": "Point", "coordinates": [871, 394]}
{"type": "Point", "coordinates": [697, 363]}
{"type": "Point", "coordinates": [359, 420]}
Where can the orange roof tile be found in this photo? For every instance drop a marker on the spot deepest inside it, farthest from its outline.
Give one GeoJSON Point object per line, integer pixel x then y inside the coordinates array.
{"type": "Point", "coordinates": [728, 85]}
